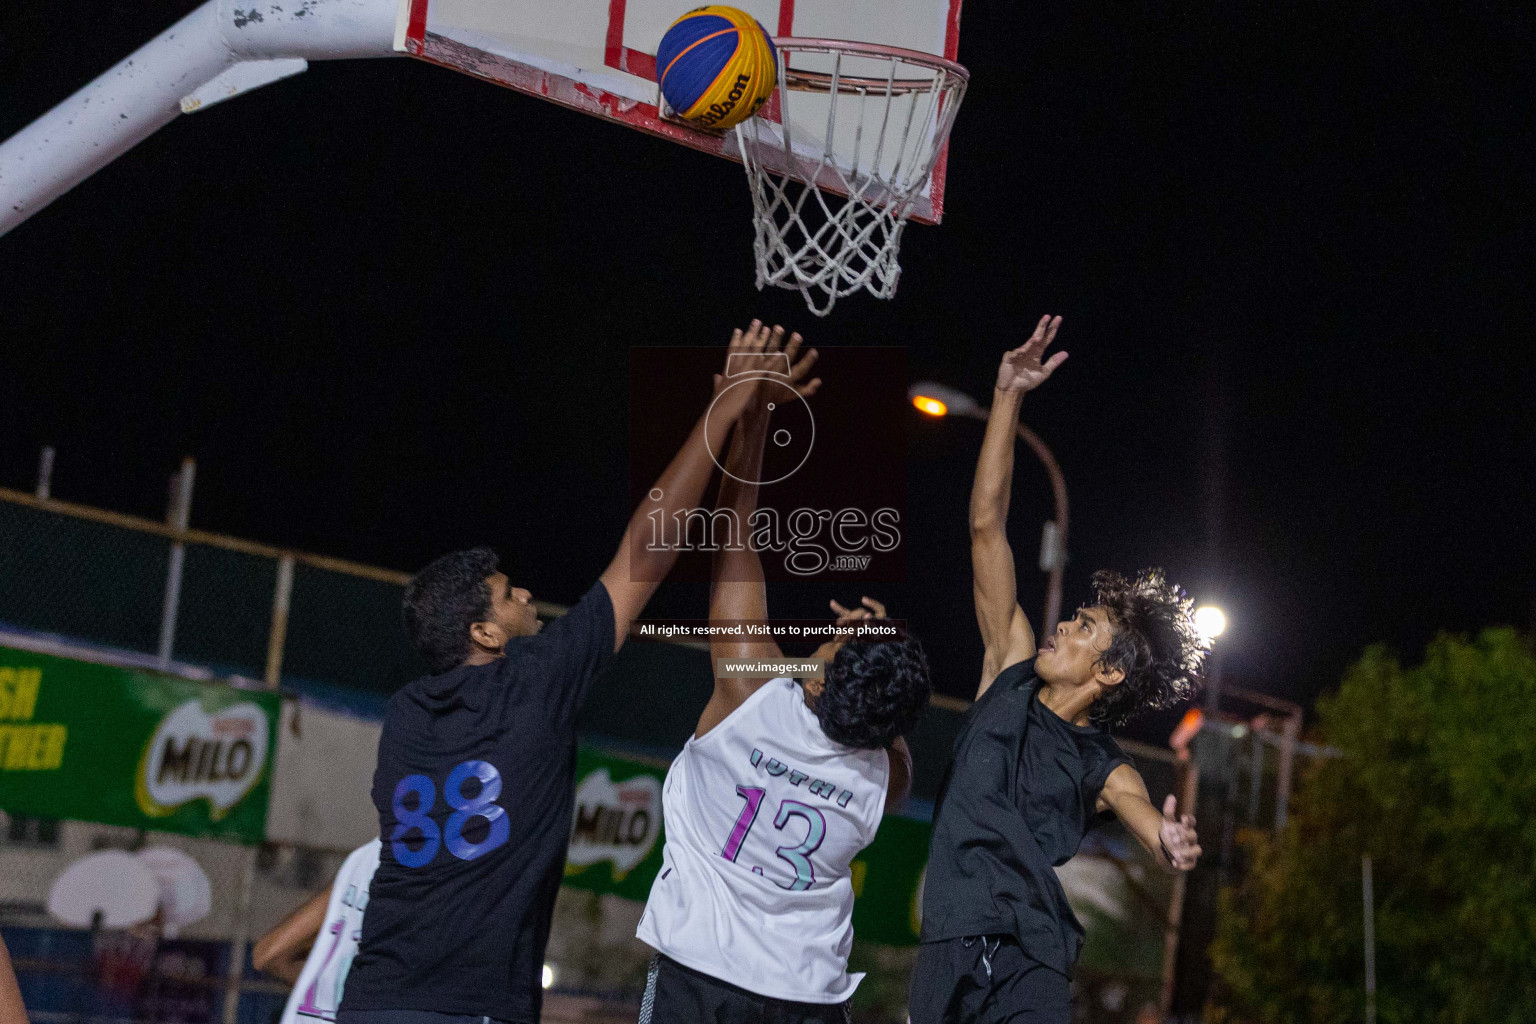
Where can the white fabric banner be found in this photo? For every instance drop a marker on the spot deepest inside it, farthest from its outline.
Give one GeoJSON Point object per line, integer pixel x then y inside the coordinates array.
{"type": "Point", "coordinates": [322, 777]}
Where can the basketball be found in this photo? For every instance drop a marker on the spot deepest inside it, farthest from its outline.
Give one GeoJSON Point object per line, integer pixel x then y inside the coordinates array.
{"type": "Point", "coordinates": [716, 66]}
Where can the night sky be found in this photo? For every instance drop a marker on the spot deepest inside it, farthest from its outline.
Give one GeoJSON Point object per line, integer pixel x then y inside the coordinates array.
{"type": "Point", "coordinates": [388, 308]}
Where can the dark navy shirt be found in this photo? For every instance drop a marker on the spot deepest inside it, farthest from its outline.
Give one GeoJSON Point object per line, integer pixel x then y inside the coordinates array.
{"type": "Point", "coordinates": [1016, 802]}
{"type": "Point", "coordinates": [474, 793]}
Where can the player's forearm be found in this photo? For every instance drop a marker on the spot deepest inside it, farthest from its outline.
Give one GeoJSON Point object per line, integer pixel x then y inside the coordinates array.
{"type": "Point", "coordinates": [681, 485]}
{"type": "Point", "coordinates": [282, 951]}
{"type": "Point", "coordinates": [287, 967]}
{"type": "Point", "coordinates": [994, 468]}
{"type": "Point", "coordinates": [739, 487]}
{"type": "Point", "coordinates": [1144, 822]}
{"type": "Point", "coordinates": [736, 581]}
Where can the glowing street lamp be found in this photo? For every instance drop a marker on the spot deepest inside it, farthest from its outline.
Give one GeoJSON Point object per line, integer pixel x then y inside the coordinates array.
{"type": "Point", "coordinates": [1210, 622]}
{"type": "Point", "coordinates": [942, 400]}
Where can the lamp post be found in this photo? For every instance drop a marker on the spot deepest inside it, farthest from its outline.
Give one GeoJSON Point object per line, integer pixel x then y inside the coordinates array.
{"type": "Point", "coordinates": [940, 400]}
{"type": "Point", "coordinates": [1211, 622]}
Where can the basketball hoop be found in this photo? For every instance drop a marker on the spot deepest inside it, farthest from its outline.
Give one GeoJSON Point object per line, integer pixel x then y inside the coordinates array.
{"type": "Point", "coordinates": [829, 200]}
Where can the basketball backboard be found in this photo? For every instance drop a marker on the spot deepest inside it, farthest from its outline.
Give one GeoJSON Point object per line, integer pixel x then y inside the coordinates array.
{"type": "Point", "coordinates": [598, 56]}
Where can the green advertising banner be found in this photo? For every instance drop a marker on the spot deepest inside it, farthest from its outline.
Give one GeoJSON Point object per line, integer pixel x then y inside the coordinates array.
{"type": "Point", "coordinates": [113, 745]}
{"type": "Point", "coordinates": [616, 833]}
{"type": "Point", "coordinates": [888, 882]}
{"type": "Point", "coordinates": [616, 840]}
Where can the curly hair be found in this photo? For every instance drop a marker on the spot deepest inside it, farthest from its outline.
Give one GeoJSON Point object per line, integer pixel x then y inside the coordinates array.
{"type": "Point", "coordinates": [875, 691]}
{"type": "Point", "coordinates": [443, 601]}
{"type": "Point", "coordinates": [1156, 645]}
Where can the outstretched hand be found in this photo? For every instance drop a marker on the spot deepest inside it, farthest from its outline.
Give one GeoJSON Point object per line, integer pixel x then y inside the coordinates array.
{"type": "Point", "coordinates": [756, 356]}
{"type": "Point", "coordinates": [870, 609]}
{"type": "Point", "coordinates": [1180, 844]}
{"type": "Point", "coordinates": [1021, 369]}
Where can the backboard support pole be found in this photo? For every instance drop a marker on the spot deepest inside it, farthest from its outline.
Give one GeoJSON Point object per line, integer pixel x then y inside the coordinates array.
{"type": "Point", "coordinates": [145, 90]}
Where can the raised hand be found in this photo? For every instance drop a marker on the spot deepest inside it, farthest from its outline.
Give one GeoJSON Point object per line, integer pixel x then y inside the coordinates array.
{"type": "Point", "coordinates": [1021, 369]}
{"type": "Point", "coordinates": [1180, 844]}
{"type": "Point", "coordinates": [759, 354]}
{"type": "Point", "coordinates": [870, 609]}
{"type": "Point", "coordinates": [798, 368]}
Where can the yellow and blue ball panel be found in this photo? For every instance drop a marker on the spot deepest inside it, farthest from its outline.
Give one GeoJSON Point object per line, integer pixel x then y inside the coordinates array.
{"type": "Point", "coordinates": [716, 66]}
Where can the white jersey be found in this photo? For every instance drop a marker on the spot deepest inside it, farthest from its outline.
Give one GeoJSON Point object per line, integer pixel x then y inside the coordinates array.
{"type": "Point", "coordinates": [318, 991]}
{"type": "Point", "coordinates": [763, 816]}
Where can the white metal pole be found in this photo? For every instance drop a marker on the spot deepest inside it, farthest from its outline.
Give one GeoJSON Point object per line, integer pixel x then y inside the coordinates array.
{"type": "Point", "coordinates": [1290, 730]}
{"type": "Point", "coordinates": [177, 518]}
{"type": "Point", "coordinates": [277, 637]}
{"type": "Point", "coordinates": [1370, 940]}
{"type": "Point", "coordinates": [1255, 772]}
{"type": "Point", "coordinates": [241, 940]}
{"type": "Point", "coordinates": [45, 473]}
{"type": "Point", "coordinates": [1188, 794]}
{"type": "Point", "coordinates": [228, 44]}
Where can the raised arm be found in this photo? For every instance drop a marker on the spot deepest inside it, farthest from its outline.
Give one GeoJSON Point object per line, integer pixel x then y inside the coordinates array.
{"type": "Point", "coordinates": [1005, 631]}
{"type": "Point", "coordinates": [282, 951]}
{"type": "Point", "coordinates": [1171, 841]}
{"type": "Point", "coordinates": [637, 568]}
{"type": "Point", "coordinates": [737, 592]}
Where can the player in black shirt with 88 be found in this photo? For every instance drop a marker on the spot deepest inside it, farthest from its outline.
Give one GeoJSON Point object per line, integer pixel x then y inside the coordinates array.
{"type": "Point", "coordinates": [477, 760]}
{"type": "Point", "coordinates": [1034, 763]}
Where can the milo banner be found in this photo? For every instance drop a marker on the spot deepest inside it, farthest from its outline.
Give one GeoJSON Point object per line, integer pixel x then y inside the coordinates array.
{"type": "Point", "coordinates": [122, 747]}
{"type": "Point", "coordinates": [616, 840]}
{"type": "Point", "coordinates": [616, 828]}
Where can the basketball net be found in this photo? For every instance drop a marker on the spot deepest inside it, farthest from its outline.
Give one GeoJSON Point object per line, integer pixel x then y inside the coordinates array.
{"type": "Point", "coordinates": [829, 208]}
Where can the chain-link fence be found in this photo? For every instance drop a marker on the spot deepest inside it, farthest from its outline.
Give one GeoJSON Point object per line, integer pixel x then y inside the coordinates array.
{"type": "Point", "coordinates": [112, 580]}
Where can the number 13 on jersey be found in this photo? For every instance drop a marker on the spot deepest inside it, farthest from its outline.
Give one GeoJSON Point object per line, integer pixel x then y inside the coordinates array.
{"type": "Point", "coordinates": [797, 855]}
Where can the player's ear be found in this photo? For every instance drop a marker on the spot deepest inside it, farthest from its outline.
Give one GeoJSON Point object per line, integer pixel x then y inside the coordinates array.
{"type": "Point", "coordinates": [1106, 676]}
{"type": "Point", "coordinates": [488, 635]}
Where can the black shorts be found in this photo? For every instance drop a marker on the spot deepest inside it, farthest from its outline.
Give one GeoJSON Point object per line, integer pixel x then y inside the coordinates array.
{"type": "Point", "coordinates": [986, 979]}
{"type": "Point", "coordinates": [675, 994]}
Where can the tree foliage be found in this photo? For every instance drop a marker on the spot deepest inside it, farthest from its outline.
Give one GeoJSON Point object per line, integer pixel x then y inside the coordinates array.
{"type": "Point", "coordinates": [1437, 783]}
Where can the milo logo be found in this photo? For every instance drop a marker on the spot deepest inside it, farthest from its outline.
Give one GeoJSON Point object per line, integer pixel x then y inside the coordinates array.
{"type": "Point", "coordinates": [617, 822]}
{"type": "Point", "coordinates": [717, 111]}
{"type": "Point", "coordinates": [194, 755]}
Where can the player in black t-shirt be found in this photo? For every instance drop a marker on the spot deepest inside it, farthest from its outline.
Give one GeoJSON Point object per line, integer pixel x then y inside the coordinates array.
{"type": "Point", "coordinates": [477, 760]}
{"type": "Point", "coordinates": [1034, 763]}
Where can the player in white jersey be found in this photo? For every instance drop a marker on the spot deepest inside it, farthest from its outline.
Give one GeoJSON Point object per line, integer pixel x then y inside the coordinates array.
{"type": "Point", "coordinates": [327, 927]}
{"type": "Point", "coordinates": [780, 787]}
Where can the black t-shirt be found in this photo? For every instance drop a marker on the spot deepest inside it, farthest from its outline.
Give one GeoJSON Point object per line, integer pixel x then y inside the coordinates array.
{"type": "Point", "coordinates": [1017, 800]}
{"type": "Point", "coordinates": [474, 793]}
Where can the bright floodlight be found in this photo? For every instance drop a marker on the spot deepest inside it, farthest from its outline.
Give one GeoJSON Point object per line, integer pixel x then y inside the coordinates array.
{"type": "Point", "coordinates": [1210, 621]}
{"type": "Point", "coordinates": [941, 400]}
{"type": "Point", "coordinates": [547, 976]}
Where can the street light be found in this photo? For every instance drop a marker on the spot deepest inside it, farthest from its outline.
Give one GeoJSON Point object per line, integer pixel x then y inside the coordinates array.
{"type": "Point", "coordinates": [941, 400]}
{"type": "Point", "coordinates": [1210, 622]}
